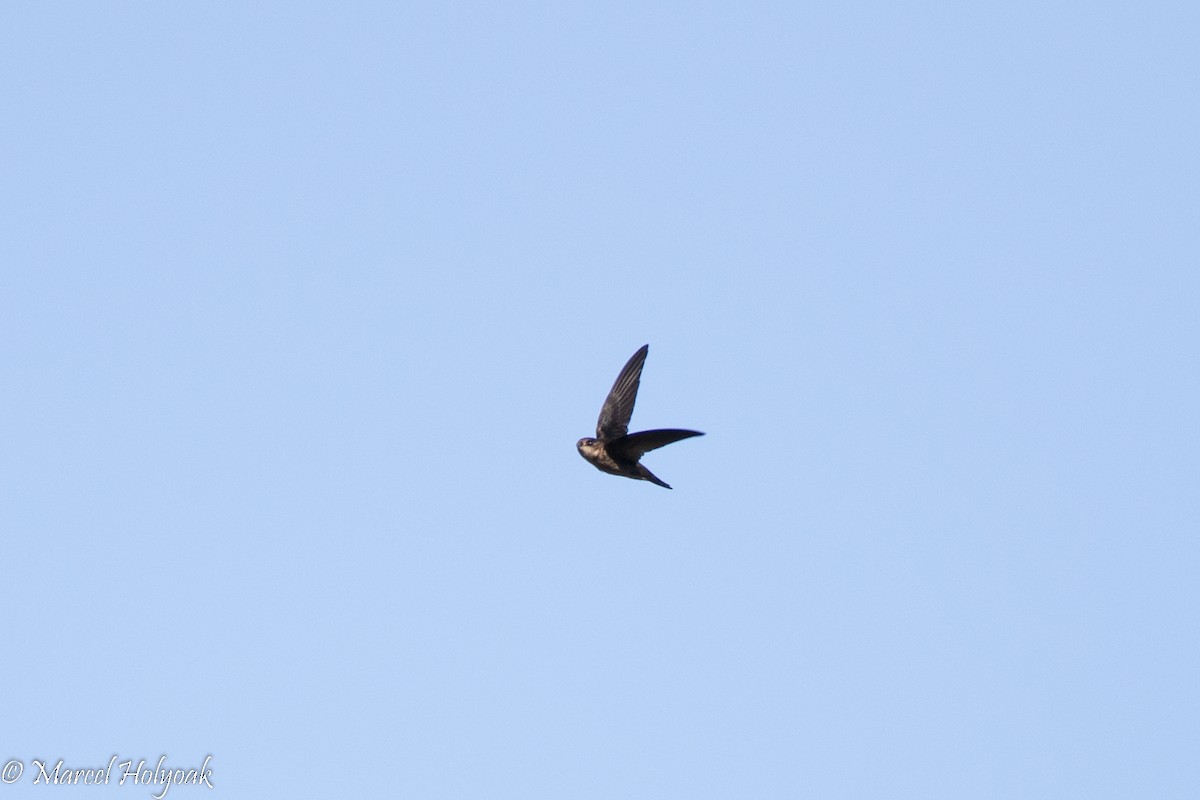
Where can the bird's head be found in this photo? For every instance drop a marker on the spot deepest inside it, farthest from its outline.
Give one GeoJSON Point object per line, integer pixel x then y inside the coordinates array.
{"type": "Point", "coordinates": [586, 445]}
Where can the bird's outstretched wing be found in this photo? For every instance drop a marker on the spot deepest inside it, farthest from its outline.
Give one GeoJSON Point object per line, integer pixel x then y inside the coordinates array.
{"type": "Point", "coordinates": [632, 447]}
{"type": "Point", "coordinates": [618, 407]}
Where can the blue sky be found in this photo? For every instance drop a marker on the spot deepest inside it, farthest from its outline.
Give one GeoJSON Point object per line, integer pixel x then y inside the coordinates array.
{"type": "Point", "coordinates": [303, 307]}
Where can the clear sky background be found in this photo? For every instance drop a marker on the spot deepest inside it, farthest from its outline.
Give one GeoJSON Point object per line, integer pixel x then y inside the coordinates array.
{"type": "Point", "coordinates": [304, 306]}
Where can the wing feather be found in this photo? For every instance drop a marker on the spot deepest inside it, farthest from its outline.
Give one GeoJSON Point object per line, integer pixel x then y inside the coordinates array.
{"type": "Point", "coordinates": [634, 445]}
{"type": "Point", "coordinates": [618, 406]}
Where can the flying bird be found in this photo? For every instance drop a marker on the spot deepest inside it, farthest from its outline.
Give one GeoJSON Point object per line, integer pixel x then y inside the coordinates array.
{"type": "Point", "coordinates": [615, 450]}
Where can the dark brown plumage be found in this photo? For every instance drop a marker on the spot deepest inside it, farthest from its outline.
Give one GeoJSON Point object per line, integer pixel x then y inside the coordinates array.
{"type": "Point", "coordinates": [615, 450]}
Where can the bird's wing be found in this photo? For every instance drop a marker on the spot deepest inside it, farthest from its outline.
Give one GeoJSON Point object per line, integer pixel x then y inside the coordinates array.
{"type": "Point", "coordinates": [635, 444]}
{"type": "Point", "coordinates": [618, 406]}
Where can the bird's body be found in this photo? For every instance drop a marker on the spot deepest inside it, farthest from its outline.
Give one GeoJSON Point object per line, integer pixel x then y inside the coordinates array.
{"type": "Point", "coordinates": [615, 450]}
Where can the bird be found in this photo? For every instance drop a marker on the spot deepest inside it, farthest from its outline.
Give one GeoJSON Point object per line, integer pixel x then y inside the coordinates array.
{"type": "Point", "coordinates": [615, 450]}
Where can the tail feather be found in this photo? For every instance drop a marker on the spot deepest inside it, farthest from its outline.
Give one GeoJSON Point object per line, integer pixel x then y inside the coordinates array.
{"type": "Point", "coordinates": [650, 476]}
